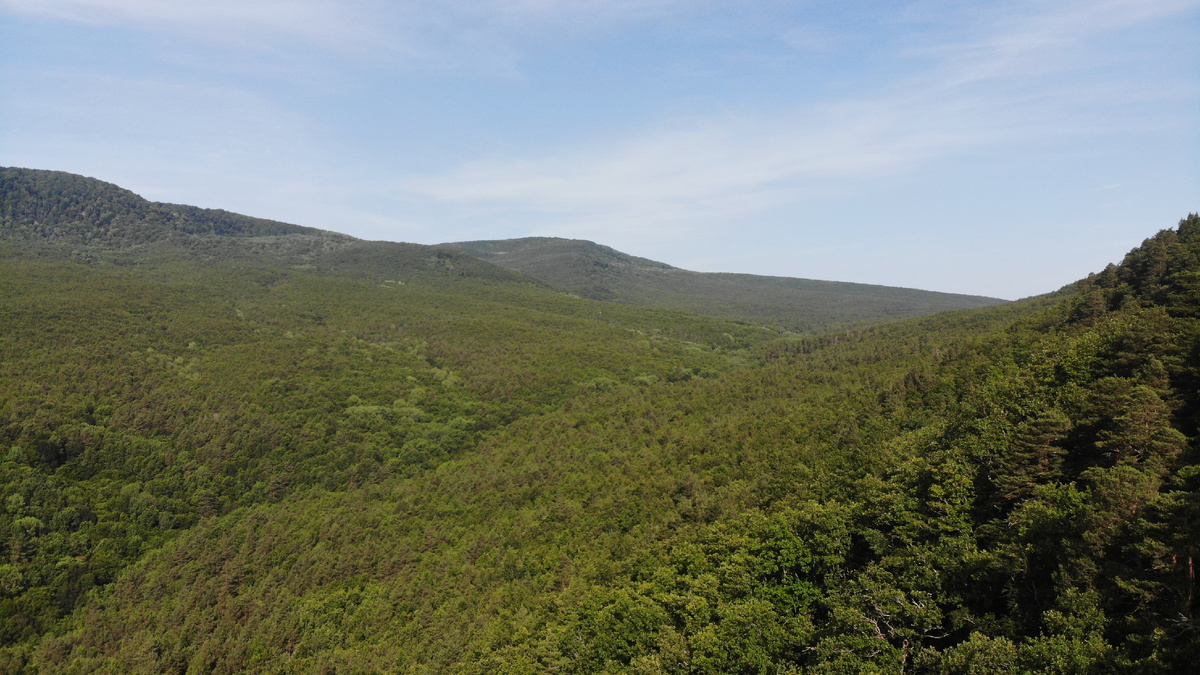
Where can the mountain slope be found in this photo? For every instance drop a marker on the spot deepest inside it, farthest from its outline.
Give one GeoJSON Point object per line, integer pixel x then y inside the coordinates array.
{"type": "Point", "coordinates": [51, 212]}
{"type": "Point", "coordinates": [137, 401]}
{"type": "Point", "coordinates": [599, 272]}
{"type": "Point", "coordinates": [1004, 490]}
{"type": "Point", "coordinates": [59, 206]}
{"type": "Point", "coordinates": [94, 220]}
{"type": "Point", "coordinates": [437, 445]}
{"type": "Point", "coordinates": [392, 461]}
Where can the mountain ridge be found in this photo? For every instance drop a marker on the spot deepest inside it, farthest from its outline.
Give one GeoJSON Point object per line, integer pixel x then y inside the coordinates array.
{"type": "Point", "coordinates": [600, 272]}
{"type": "Point", "coordinates": [93, 219]}
{"type": "Point", "coordinates": [90, 219]}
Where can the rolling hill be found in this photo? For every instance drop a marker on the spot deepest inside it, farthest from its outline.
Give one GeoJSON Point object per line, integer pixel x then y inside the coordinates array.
{"type": "Point", "coordinates": [93, 221]}
{"type": "Point", "coordinates": [594, 271]}
{"type": "Point", "coordinates": [92, 218]}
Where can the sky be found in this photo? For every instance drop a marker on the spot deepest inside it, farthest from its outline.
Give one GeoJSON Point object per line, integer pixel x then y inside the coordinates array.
{"type": "Point", "coordinates": [999, 147]}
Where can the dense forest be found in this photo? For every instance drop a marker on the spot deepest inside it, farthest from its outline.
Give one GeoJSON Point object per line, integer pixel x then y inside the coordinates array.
{"type": "Point", "coordinates": [231, 445]}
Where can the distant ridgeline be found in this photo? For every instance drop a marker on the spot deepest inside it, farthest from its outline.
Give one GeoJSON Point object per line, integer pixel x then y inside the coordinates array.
{"type": "Point", "coordinates": [304, 453]}
{"type": "Point", "coordinates": [91, 219]}
{"type": "Point", "coordinates": [64, 207]}
{"type": "Point", "coordinates": [593, 271]}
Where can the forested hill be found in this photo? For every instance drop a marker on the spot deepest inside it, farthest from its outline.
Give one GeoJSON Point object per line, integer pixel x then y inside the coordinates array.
{"type": "Point", "coordinates": [594, 271]}
{"type": "Point", "coordinates": [42, 212]}
{"type": "Point", "coordinates": [222, 464]}
{"type": "Point", "coordinates": [220, 469]}
{"type": "Point", "coordinates": [59, 206]}
{"type": "Point", "coordinates": [94, 220]}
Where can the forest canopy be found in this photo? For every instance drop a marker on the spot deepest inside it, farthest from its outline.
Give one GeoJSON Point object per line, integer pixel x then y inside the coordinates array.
{"type": "Point", "coordinates": [322, 455]}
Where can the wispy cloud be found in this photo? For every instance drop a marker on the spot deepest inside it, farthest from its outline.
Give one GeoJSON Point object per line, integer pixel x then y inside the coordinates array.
{"type": "Point", "coordinates": [710, 169]}
{"type": "Point", "coordinates": [1025, 82]}
{"type": "Point", "coordinates": [439, 33]}
{"type": "Point", "coordinates": [308, 20]}
{"type": "Point", "coordinates": [821, 131]}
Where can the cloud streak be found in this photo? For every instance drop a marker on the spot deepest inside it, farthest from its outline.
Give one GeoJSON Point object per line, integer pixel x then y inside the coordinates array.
{"type": "Point", "coordinates": [428, 33]}
{"type": "Point", "coordinates": [317, 21]}
{"type": "Point", "coordinates": [760, 132]}
{"type": "Point", "coordinates": [715, 166]}
{"type": "Point", "coordinates": [1026, 83]}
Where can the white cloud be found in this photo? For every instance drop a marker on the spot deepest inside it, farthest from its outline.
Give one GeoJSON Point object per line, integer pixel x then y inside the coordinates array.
{"type": "Point", "coordinates": [714, 166]}
{"type": "Point", "coordinates": [983, 83]}
{"type": "Point", "coordinates": [1017, 40]}
{"type": "Point", "coordinates": [1026, 83]}
{"type": "Point", "coordinates": [440, 33]}
{"type": "Point", "coordinates": [308, 20]}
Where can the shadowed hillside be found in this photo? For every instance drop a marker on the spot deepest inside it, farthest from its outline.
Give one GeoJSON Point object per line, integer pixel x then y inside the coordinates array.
{"type": "Point", "coordinates": [593, 271]}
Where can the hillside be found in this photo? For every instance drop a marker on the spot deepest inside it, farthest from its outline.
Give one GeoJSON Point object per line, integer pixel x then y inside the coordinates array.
{"type": "Point", "coordinates": [56, 213]}
{"type": "Point", "coordinates": [379, 459]}
{"type": "Point", "coordinates": [593, 271]}
{"type": "Point", "coordinates": [62, 207]}
{"type": "Point", "coordinates": [94, 219]}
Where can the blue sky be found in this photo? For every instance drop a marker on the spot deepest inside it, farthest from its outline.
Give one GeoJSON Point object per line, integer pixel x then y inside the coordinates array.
{"type": "Point", "coordinates": [1002, 148]}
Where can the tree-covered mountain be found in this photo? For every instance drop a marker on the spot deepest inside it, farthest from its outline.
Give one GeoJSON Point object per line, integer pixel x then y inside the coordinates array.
{"type": "Point", "coordinates": [63, 213]}
{"type": "Point", "coordinates": [598, 272]}
{"type": "Point", "coordinates": [93, 218]}
{"type": "Point", "coordinates": [59, 206]}
{"type": "Point", "coordinates": [391, 461]}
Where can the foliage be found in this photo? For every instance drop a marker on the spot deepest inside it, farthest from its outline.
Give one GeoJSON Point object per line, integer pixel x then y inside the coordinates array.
{"type": "Point", "coordinates": [390, 459]}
